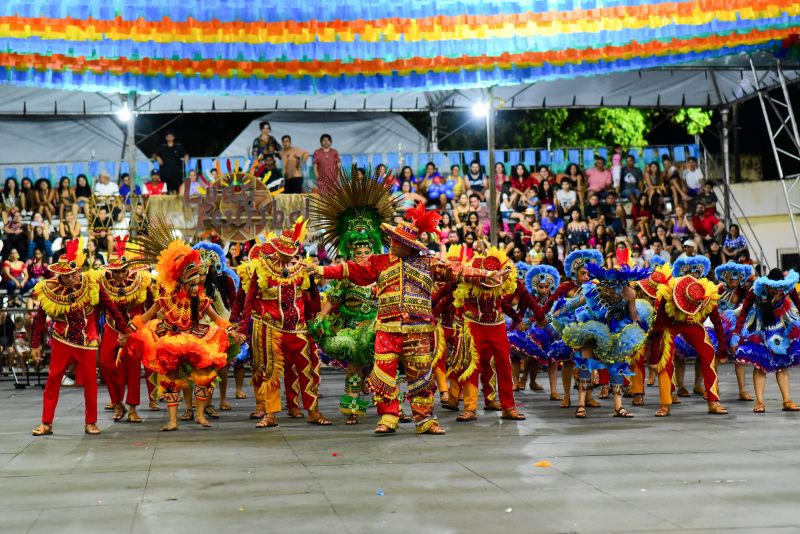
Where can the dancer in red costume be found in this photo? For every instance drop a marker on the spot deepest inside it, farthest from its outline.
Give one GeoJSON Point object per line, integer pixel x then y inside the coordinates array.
{"type": "Point", "coordinates": [482, 347]}
{"type": "Point", "coordinates": [280, 299]}
{"type": "Point", "coordinates": [73, 300]}
{"type": "Point", "coordinates": [131, 291]}
{"type": "Point", "coordinates": [404, 327]}
{"type": "Point", "coordinates": [682, 304]}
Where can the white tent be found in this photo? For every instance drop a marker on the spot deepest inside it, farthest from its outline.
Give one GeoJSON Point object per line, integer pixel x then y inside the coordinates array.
{"type": "Point", "coordinates": [31, 140]}
{"type": "Point", "coordinates": [352, 133]}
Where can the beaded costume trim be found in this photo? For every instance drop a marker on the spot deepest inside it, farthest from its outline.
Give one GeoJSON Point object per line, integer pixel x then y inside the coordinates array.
{"type": "Point", "coordinates": [57, 302]}
{"type": "Point", "coordinates": [133, 293]}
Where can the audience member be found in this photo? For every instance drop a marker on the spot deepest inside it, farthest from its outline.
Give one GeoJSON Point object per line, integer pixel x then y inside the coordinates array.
{"type": "Point", "coordinates": [294, 159]}
{"type": "Point", "coordinates": [172, 160]}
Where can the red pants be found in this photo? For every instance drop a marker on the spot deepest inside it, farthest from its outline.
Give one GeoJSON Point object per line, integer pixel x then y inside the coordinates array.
{"type": "Point", "coordinates": [494, 357]}
{"type": "Point", "coordinates": [696, 336]}
{"type": "Point", "coordinates": [416, 352]}
{"type": "Point", "coordinates": [61, 356]}
{"type": "Point", "coordinates": [116, 377]}
{"type": "Point", "coordinates": [291, 384]}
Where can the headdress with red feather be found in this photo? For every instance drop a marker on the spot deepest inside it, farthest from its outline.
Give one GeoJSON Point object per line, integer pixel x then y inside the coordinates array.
{"type": "Point", "coordinates": [72, 260]}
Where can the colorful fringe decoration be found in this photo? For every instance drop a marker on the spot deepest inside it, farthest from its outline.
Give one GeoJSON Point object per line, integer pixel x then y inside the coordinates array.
{"type": "Point", "coordinates": [351, 46]}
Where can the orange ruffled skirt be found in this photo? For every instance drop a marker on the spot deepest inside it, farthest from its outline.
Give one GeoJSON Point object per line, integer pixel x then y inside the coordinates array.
{"type": "Point", "coordinates": [169, 352]}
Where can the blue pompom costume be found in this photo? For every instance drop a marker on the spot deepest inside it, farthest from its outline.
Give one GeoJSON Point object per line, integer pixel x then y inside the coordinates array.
{"type": "Point", "coordinates": [768, 327]}
{"type": "Point", "coordinates": [599, 318]}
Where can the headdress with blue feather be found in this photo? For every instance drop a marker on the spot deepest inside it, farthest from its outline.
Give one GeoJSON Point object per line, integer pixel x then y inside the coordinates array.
{"type": "Point", "coordinates": [623, 275]}
{"type": "Point", "coordinates": [206, 249]}
{"type": "Point", "coordinates": [579, 258]}
{"type": "Point", "coordinates": [656, 262]}
{"type": "Point", "coordinates": [542, 272]}
{"type": "Point", "coordinates": [733, 271]}
{"type": "Point", "coordinates": [522, 269]}
{"type": "Point", "coordinates": [698, 265]}
{"type": "Point", "coordinates": [763, 284]}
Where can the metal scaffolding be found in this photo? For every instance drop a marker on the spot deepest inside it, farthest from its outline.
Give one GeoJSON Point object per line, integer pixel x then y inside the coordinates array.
{"type": "Point", "coordinates": [783, 132]}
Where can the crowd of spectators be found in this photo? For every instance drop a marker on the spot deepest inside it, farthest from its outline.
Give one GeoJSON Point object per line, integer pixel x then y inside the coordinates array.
{"type": "Point", "coordinates": [652, 209]}
{"type": "Point", "coordinates": [622, 210]}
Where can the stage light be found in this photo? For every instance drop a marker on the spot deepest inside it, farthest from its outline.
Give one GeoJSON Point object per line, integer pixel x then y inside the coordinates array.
{"type": "Point", "coordinates": [480, 109]}
{"type": "Point", "coordinates": [124, 114]}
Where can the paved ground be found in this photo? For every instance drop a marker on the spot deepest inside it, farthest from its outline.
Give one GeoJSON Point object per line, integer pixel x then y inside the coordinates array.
{"type": "Point", "coordinates": [689, 471]}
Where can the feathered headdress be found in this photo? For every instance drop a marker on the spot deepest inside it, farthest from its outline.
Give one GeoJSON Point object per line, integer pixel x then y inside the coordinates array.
{"type": "Point", "coordinates": [579, 258]}
{"type": "Point", "coordinates": [175, 261]}
{"type": "Point", "coordinates": [351, 212]}
{"type": "Point", "coordinates": [764, 283]}
{"type": "Point", "coordinates": [118, 259]}
{"type": "Point", "coordinates": [73, 258]}
{"type": "Point", "coordinates": [697, 266]}
{"type": "Point", "coordinates": [542, 273]}
{"type": "Point", "coordinates": [407, 233]}
{"type": "Point", "coordinates": [456, 253]}
{"type": "Point", "coordinates": [660, 276]}
{"type": "Point", "coordinates": [733, 273]}
{"type": "Point", "coordinates": [423, 219]}
{"type": "Point", "coordinates": [290, 239]}
{"type": "Point", "coordinates": [212, 254]}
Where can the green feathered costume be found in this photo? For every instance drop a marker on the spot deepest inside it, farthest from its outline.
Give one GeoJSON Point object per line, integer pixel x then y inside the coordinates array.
{"type": "Point", "coordinates": [349, 217]}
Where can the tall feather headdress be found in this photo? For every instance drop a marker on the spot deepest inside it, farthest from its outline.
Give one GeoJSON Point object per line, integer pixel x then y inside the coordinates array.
{"type": "Point", "coordinates": [174, 260]}
{"type": "Point", "coordinates": [352, 212]}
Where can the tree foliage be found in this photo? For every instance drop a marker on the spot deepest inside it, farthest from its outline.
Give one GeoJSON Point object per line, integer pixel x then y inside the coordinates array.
{"type": "Point", "coordinates": [586, 127]}
{"type": "Point", "coordinates": [695, 120]}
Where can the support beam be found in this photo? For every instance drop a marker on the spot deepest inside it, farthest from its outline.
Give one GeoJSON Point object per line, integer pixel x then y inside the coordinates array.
{"type": "Point", "coordinates": [433, 142]}
{"type": "Point", "coordinates": [131, 135]}
{"type": "Point", "coordinates": [490, 171]}
{"type": "Point", "coordinates": [786, 130]}
{"type": "Point", "coordinates": [726, 165]}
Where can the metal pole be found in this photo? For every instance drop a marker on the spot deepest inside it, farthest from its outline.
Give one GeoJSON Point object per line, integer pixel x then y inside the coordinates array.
{"type": "Point", "coordinates": [492, 188]}
{"type": "Point", "coordinates": [433, 142]}
{"type": "Point", "coordinates": [737, 156]}
{"type": "Point", "coordinates": [726, 166]}
{"type": "Point", "coordinates": [132, 139]}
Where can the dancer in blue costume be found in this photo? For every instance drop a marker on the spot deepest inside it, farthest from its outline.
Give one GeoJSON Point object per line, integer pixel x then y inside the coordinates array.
{"type": "Point", "coordinates": [541, 281]}
{"type": "Point", "coordinates": [734, 280]}
{"type": "Point", "coordinates": [767, 334]}
{"type": "Point", "coordinates": [576, 274]}
{"type": "Point", "coordinates": [605, 324]}
{"type": "Point", "coordinates": [517, 338]}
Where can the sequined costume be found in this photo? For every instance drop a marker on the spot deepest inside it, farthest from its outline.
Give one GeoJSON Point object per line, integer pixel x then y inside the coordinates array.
{"type": "Point", "coordinates": [404, 325]}
{"type": "Point", "coordinates": [482, 349]}
{"type": "Point", "coordinates": [349, 215]}
{"type": "Point", "coordinates": [280, 299]}
{"type": "Point", "coordinates": [75, 336]}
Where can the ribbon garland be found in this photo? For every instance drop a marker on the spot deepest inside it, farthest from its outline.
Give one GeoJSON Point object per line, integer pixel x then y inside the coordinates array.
{"type": "Point", "coordinates": [347, 46]}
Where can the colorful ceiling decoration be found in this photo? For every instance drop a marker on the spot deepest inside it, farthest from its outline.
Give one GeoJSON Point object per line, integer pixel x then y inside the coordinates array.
{"type": "Point", "coordinates": [339, 46]}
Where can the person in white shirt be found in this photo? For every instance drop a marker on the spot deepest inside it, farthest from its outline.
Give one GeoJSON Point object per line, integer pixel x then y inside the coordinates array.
{"type": "Point", "coordinates": [693, 177]}
{"type": "Point", "coordinates": [566, 198]}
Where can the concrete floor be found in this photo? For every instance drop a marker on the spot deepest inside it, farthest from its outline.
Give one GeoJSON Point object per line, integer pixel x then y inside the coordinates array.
{"type": "Point", "coordinates": [690, 471]}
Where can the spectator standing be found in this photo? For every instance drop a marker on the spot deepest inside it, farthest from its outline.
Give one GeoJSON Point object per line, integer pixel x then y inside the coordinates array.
{"type": "Point", "coordinates": [617, 157]}
{"type": "Point", "coordinates": [598, 178]}
{"type": "Point", "coordinates": [631, 179]}
{"type": "Point", "coordinates": [172, 159]}
{"type": "Point", "coordinates": [294, 159]}
{"type": "Point", "coordinates": [326, 164]}
{"type": "Point", "coordinates": [155, 186]}
{"type": "Point", "coordinates": [264, 144]}
{"type": "Point", "coordinates": [693, 177]}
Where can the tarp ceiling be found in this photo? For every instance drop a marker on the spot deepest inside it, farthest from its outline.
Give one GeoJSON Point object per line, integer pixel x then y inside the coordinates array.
{"type": "Point", "coordinates": [352, 133]}
{"type": "Point", "coordinates": [716, 85]}
{"type": "Point", "coordinates": [39, 140]}
{"type": "Point", "coordinates": [319, 47]}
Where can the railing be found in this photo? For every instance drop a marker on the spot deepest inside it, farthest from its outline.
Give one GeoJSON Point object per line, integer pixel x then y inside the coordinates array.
{"type": "Point", "coordinates": [557, 159]}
